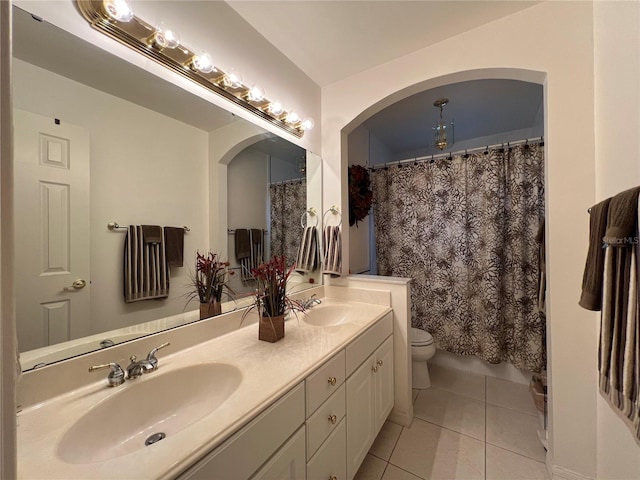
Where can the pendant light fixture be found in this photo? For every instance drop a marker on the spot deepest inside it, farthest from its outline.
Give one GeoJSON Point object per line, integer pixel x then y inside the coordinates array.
{"type": "Point", "coordinates": [443, 132]}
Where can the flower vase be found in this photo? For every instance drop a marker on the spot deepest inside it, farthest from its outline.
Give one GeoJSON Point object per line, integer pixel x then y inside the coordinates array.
{"type": "Point", "coordinates": [210, 309]}
{"type": "Point", "coordinates": [271, 329]}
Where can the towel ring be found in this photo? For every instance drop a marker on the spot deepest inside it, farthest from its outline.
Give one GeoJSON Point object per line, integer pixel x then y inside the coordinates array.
{"type": "Point", "coordinates": [311, 212]}
{"type": "Point", "coordinates": [334, 210]}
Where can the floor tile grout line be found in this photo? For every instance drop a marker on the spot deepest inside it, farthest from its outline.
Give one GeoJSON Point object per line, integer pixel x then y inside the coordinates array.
{"type": "Point", "coordinates": [517, 453]}
{"type": "Point", "coordinates": [405, 470]}
{"type": "Point", "coordinates": [449, 429]}
{"type": "Point", "coordinates": [512, 409]}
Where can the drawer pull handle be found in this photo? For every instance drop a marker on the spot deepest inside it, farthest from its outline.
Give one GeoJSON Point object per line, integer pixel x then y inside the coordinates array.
{"type": "Point", "coordinates": [374, 369]}
{"type": "Point", "coordinates": [332, 419]}
{"type": "Point", "coordinates": [333, 477]}
{"type": "Point", "coordinates": [379, 362]}
{"type": "Point", "coordinates": [332, 381]}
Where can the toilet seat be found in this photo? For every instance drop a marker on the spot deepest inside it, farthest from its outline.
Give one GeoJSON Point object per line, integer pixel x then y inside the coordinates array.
{"type": "Point", "coordinates": [420, 338]}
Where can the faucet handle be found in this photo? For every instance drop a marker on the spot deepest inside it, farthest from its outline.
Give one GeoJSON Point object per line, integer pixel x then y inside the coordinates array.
{"type": "Point", "coordinates": [116, 375]}
{"type": "Point", "coordinates": [151, 358]}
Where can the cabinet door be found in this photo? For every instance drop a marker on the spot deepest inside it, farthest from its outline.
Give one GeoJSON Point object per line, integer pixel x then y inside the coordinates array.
{"type": "Point", "coordinates": [288, 463]}
{"type": "Point", "coordinates": [329, 461]}
{"type": "Point", "coordinates": [360, 415]}
{"type": "Point", "coordinates": [384, 398]}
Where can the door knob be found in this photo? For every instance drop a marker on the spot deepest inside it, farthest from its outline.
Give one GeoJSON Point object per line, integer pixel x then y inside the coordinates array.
{"type": "Point", "coordinates": [77, 285]}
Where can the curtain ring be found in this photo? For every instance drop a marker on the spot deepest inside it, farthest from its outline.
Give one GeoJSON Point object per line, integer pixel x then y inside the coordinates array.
{"type": "Point", "coordinates": [334, 210]}
{"type": "Point", "coordinates": [312, 212]}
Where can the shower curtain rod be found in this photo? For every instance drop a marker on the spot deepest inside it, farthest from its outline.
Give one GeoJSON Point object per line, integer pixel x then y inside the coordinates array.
{"type": "Point", "coordinates": [293, 180]}
{"type": "Point", "coordinates": [450, 154]}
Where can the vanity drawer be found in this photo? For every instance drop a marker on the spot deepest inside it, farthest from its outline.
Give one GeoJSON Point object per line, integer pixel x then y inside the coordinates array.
{"type": "Point", "coordinates": [365, 344]}
{"type": "Point", "coordinates": [325, 420]}
{"type": "Point", "coordinates": [331, 459]}
{"type": "Point", "coordinates": [324, 381]}
{"type": "Point", "coordinates": [242, 454]}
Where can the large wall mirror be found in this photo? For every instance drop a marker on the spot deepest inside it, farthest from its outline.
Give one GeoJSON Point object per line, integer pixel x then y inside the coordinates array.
{"type": "Point", "coordinates": [98, 141]}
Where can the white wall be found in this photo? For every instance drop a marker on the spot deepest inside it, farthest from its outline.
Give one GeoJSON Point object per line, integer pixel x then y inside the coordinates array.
{"type": "Point", "coordinates": [617, 123]}
{"type": "Point", "coordinates": [550, 43]}
{"type": "Point", "coordinates": [247, 181]}
{"type": "Point", "coordinates": [146, 168]}
{"type": "Point", "coordinates": [217, 28]}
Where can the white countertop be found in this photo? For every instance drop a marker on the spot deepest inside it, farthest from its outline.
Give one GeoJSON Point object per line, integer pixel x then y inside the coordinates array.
{"type": "Point", "coordinates": [268, 370]}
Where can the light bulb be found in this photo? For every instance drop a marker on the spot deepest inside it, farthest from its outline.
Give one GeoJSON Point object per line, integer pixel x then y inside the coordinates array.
{"type": "Point", "coordinates": [232, 79]}
{"type": "Point", "coordinates": [166, 37]}
{"type": "Point", "coordinates": [275, 108]}
{"type": "Point", "coordinates": [293, 117]}
{"type": "Point", "coordinates": [118, 10]}
{"type": "Point", "coordinates": [307, 124]}
{"type": "Point", "coordinates": [255, 94]}
{"type": "Point", "coordinates": [203, 63]}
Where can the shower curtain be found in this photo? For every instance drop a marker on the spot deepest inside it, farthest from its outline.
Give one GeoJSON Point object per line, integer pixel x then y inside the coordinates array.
{"type": "Point", "coordinates": [464, 230]}
{"type": "Point", "coordinates": [288, 202]}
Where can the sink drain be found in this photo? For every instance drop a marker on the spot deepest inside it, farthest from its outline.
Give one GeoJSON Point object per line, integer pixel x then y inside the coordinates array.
{"type": "Point", "coordinates": [156, 437]}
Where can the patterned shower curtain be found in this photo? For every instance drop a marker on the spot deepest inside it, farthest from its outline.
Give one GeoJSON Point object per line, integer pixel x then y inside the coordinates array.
{"type": "Point", "coordinates": [288, 203]}
{"type": "Point", "coordinates": [464, 230]}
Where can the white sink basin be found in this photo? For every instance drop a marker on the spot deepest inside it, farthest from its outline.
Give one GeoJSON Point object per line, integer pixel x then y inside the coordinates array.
{"type": "Point", "coordinates": [327, 314]}
{"type": "Point", "coordinates": [157, 402]}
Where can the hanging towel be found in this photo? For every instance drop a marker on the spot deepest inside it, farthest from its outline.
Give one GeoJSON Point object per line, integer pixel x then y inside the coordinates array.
{"type": "Point", "coordinates": [256, 247]}
{"type": "Point", "coordinates": [243, 243]}
{"type": "Point", "coordinates": [622, 218]}
{"type": "Point", "coordinates": [152, 233]}
{"type": "Point", "coordinates": [146, 275]}
{"type": "Point", "coordinates": [332, 241]}
{"type": "Point", "coordinates": [591, 297]}
{"type": "Point", "coordinates": [174, 245]}
{"type": "Point", "coordinates": [308, 254]}
{"type": "Point", "coordinates": [619, 349]}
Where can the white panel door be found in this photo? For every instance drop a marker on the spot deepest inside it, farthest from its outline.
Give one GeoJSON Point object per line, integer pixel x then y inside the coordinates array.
{"type": "Point", "coordinates": [52, 230]}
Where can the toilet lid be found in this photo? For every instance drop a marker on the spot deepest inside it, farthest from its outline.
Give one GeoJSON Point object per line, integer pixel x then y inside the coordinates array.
{"type": "Point", "coordinates": [420, 338]}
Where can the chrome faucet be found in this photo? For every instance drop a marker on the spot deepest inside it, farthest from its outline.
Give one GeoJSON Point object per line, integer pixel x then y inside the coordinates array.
{"type": "Point", "coordinates": [116, 375]}
{"type": "Point", "coordinates": [310, 302]}
{"type": "Point", "coordinates": [149, 364]}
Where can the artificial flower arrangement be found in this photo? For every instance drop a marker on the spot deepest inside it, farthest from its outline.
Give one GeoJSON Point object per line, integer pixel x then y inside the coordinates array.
{"type": "Point", "coordinates": [271, 298]}
{"type": "Point", "coordinates": [360, 194]}
{"type": "Point", "coordinates": [210, 281]}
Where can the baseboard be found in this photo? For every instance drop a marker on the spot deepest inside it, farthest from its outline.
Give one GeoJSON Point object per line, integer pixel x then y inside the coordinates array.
{"type": "Point", "coordinates": [401, 418]}
{"type": "Point", "coordinates": [560, 473]}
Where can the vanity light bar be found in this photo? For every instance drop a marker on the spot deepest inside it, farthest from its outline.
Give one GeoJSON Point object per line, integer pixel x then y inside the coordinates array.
{"type": "Point", "coordinates": [141, 36]}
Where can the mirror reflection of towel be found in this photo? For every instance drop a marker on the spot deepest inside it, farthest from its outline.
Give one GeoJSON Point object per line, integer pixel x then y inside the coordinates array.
{"type": "Point", "coordinates": [308, 253]}
{"type": "Point", "coordinates": [146, 275]}
{"type": "Point", "coordinates": [174, 245]}
{"type": "Point", "coordinates": [332, 242]}
{"type": "Point", "coordinates": [243, 243]}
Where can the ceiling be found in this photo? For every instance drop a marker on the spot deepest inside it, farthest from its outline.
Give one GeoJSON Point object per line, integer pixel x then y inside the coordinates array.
{"type": "Point", "coordinates": [332, 40]}
{"type": "Point", "coordinates": [479, 108]}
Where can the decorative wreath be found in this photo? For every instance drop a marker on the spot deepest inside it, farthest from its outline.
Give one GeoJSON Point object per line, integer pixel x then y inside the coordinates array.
{"type": "Point", "coordinates": [360, 194]}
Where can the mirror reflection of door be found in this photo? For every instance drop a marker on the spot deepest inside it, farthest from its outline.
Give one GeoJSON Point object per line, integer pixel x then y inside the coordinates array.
{"type": "Point", "coordinates": [52, 196]}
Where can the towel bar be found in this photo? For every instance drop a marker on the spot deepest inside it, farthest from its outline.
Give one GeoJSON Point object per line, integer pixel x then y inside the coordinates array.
{"type": "Point", "coordinates": [114, 226]}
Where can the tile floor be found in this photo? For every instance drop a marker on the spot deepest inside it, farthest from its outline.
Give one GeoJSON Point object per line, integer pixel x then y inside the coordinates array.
{"type": "Point", "coordinates": [465, 427]}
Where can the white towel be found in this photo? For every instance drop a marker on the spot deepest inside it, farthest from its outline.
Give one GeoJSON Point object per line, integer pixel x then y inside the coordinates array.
{"type": "Point", "coordinates": [146, 274]}
{"type": "Point", "coordinates": [308, 254]}
{"type": "Point", "coordinates": [332, 241]}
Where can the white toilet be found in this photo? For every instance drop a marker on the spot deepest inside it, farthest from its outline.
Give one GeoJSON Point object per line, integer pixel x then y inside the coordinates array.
{"type": "Point", "coordinates": [422, 349]}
